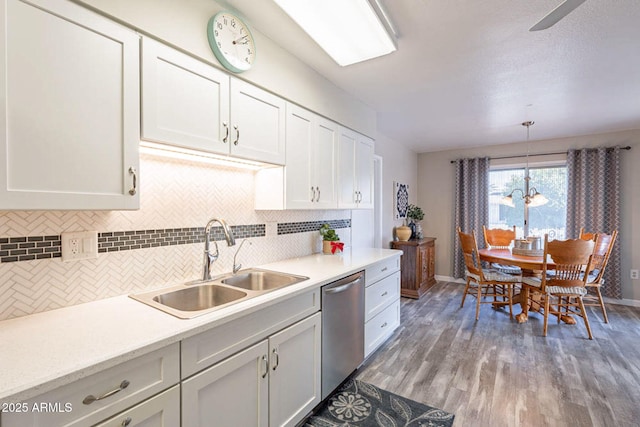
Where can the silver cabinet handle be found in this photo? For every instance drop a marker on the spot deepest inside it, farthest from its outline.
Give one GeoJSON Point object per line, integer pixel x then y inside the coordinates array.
{"type": "Point", "coordinates": [237, 135]}
{"type": "Point", "coordinates": [266, 365]}
{"type": "Point", "coordinates": [277, 356]}
{"type": "Point", "coordinates": [384, 269]}
{"type": "Point", "coordinates": [91, 398]}
{"type": "Point", "coordinates": [126, 422]}
{"type": "Point", "coordinates": [383, 325]}
{"type": "Point", "coordinates": [384, 294]}
{"type": "Point", "coordinates": [133, 190]}
{"type": "Point", "coordinates": [226, 135]}
{"type": "Point", "coordinates": [318, 199]}
{"type": "Point", "coordinates": [313, 196]}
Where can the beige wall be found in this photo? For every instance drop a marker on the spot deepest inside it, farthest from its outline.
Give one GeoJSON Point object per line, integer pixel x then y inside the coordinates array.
{"type": "Point", "coordinates": [398, 164]}
{"type": "Point", "coordinates": [436, 194]}
{"type": "Point", "coordinates": [183, 24]}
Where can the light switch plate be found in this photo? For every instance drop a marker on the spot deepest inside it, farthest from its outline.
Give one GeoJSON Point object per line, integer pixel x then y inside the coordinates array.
{"type": "Point", "coordinates": [79, 245]}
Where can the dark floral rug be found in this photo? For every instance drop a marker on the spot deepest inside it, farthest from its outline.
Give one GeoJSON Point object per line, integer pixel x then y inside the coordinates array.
{"type": "Point", "coordinates": [359, 404]}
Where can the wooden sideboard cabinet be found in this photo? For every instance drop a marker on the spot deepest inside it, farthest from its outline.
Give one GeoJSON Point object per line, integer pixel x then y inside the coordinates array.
{"type": "Point", "coordinates": [418, 266]}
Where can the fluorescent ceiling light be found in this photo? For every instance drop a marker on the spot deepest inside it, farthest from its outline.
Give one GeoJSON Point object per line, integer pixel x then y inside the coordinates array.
{"type": "Point", "coordinates": [180, 153]}
{"type": "Point", "coordinates": [349, 31]}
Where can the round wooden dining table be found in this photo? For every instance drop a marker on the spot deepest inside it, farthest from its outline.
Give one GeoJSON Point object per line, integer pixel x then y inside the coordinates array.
{"type": "Point", "coordinates": [530, 265]}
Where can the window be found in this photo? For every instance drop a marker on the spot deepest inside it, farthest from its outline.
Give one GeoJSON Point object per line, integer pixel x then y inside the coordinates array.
{"type": "Point", "coordinates": [549, 218]}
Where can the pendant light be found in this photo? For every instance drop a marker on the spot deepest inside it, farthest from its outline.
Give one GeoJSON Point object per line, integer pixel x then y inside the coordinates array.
{"type": "Point", "coordinates": [532, 198]}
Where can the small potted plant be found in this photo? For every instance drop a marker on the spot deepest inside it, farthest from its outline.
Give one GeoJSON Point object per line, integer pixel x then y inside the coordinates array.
{"type": "Point", "coordinates": [415, 214]}
{"type": "Point", "coordinates": [330, 240]}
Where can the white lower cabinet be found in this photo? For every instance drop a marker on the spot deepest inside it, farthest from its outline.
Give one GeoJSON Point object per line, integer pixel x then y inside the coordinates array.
{"type": "Point", "coordinates": [382, 303]}
{"type": "Point", "coordinates": [275, 382]}
{"type": "Point", "coordinates": [294, 375]}
{"type": "Point", "coordinates": [98, 397]}
{"type": "Point", "coordinates": [232, 393]}
{"type": "Point", "coordinates": [162, 410]}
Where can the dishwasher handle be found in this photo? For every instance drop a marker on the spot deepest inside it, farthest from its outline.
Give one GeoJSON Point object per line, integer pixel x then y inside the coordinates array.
{"type": "Point", "coordinates": [342, 287]}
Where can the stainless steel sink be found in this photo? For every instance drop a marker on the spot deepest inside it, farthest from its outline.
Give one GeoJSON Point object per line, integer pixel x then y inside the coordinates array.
{"type": "Point", "coordinates": [261, 280]}
{"type": "Point", "coordinates": [189, 301]}
{"type": "Point", "coordinates": [197, 298]}
{"type": "Point", "coordinates": [201, 297]}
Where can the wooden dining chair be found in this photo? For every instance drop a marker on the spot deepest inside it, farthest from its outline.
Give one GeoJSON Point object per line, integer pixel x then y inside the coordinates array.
{"type": "Point", "coordinates": [482, 282]}
{"type": "Point", "coordinates": [567, 284]}
{"type": "Point", "coordinates": [595, 278]}
{"type": "Point", "coordinates": [586, 235]}
{"type": "Point", "coordinates": [501, 238]}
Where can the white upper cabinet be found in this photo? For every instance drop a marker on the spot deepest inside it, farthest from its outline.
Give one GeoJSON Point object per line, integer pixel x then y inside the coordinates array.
{"type": "Point", "coordinates": [188, 103]}
{"type": "Point", "coordinates": [365, 151]}
{"type": "Point", "coordinates": [69, 120]}
{"type": "Point", "coordinates": [310, 161]}
{"type": "Point", "coordinates": [355, 170]}
{"type": "Point", "coordinates": [185, 102]}
{"type": "Point", "coordinates": [257, 123]}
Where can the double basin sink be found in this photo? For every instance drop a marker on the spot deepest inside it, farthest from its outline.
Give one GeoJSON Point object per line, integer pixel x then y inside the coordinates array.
{"type": "Point", "coordinates": [197, 298]}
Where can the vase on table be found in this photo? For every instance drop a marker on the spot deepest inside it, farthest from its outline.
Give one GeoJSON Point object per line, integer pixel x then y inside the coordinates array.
{"type": "Point", "coordinates": [403, 232]}
{"type": "Point", "coordinates": [412, 226]}
{"type": "Point", "coordinates": [418, 234]}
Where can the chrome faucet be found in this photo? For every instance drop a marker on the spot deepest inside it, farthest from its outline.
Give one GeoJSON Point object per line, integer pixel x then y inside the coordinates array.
{"type": "Point", "coordinates": [237, 267]}
{"type": "Point", "coordinates": [210, 258]}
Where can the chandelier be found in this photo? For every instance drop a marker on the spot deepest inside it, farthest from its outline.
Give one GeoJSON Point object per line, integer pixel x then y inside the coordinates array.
{"type": "Point", "coordinates": [531, 196]}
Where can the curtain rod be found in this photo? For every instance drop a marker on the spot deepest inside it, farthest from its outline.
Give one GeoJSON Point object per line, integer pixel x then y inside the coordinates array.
{"type": "Point", "coordinates": [540, 154]}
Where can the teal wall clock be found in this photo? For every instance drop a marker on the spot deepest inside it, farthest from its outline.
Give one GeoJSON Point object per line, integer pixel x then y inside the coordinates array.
{"type": "Point", "coordinates": [231, 41]}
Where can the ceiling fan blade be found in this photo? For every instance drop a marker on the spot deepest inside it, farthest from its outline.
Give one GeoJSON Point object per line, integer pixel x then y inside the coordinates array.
{"type": "Point", "coordinates": [557, 14]}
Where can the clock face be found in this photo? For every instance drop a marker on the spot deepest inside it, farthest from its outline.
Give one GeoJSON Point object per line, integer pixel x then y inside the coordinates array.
{"type": "Point", "coordinates": [231, 42]}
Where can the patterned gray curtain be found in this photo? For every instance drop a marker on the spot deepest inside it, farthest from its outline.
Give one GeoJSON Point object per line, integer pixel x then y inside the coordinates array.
{"type": "Point", "coordinates": [471, 204]}
{"type": "Point", "coordinates": [593, 202]}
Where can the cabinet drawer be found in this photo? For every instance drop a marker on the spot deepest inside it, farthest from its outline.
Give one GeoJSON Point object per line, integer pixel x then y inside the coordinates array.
{"type": "Point", "coordinates": [146, 376]}
{"type": "Point", "coordinates": [209, 347]}
{"type": "Point", "coordinates": [381, 294]}
{"type": "Point", "coordinates": [162, 410]}
{"type": "Point", "coordinates": [378, 329]}
{"type": "Point", "coordinates": [377, 271]}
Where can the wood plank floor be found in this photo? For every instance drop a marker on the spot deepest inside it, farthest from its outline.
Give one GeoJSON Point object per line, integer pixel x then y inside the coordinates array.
{"type": "Point", "coordinates": [496, 372]}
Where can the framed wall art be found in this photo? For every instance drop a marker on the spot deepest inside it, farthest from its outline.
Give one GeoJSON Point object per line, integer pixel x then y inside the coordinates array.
{"type": "Point", "coordinates": [400, 200]}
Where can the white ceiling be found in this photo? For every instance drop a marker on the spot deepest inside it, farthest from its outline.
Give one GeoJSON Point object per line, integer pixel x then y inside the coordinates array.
{"type": "Point", "coordinates": [468, 72]}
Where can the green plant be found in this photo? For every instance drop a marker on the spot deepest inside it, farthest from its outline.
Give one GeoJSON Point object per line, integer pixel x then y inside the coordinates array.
{"type": "Point", "coordinates": [415, 213]}
{"type": "Point", "coordinates": [328, 233]}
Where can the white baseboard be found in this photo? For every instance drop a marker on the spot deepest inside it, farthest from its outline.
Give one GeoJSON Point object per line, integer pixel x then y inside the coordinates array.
{"type": "Point", "coordinates": [449, 279]}
{"type": "Point", "coordinates": [624, 301]}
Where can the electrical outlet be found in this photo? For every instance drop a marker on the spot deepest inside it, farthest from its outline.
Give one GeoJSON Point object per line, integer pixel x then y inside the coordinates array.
{"type": "Point", "coordinates": [74, 246]}
{"type": "Point", "coordinates": [79, 245]}
{"type": "Point", "coordinates": [634, 274]}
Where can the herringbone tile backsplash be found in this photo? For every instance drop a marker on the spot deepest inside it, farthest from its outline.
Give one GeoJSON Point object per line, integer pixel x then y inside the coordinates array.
{"type": "Point", "coordinates": [174, 195]}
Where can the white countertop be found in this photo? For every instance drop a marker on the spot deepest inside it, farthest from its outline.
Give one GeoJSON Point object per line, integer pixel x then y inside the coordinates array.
{"type": "Point", "coordinates": [44, 351]}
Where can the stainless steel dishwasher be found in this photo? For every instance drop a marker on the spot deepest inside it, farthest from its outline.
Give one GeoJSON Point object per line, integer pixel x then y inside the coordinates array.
{"type": "Point", "coordinates": [342, 330]}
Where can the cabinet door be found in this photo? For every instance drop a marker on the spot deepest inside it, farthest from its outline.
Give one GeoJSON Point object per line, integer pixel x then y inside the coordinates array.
{"type": "Point", "coordinates": [364, 171]}
{"type": "Point", "coordinates": [257, 123]}
{"type": "Point", "coordinates": [346, 170]}
{"type": "Point", "coordinates": [230, 394]}
{"type": "Point", "coordinates": [298, 170]}
{"type": "Point", "coordinates": [294, 378]}
{"type": "Point", "coordinates": [69, 120]}
{"type": "Point", "coordinates": [162, 410]}
{"type": "Point", "coordinates": [324, 163]}
{"type": "Point", "coordinates": [185, 102]}
{"type": "Point", "coordinates": [422, 266]}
